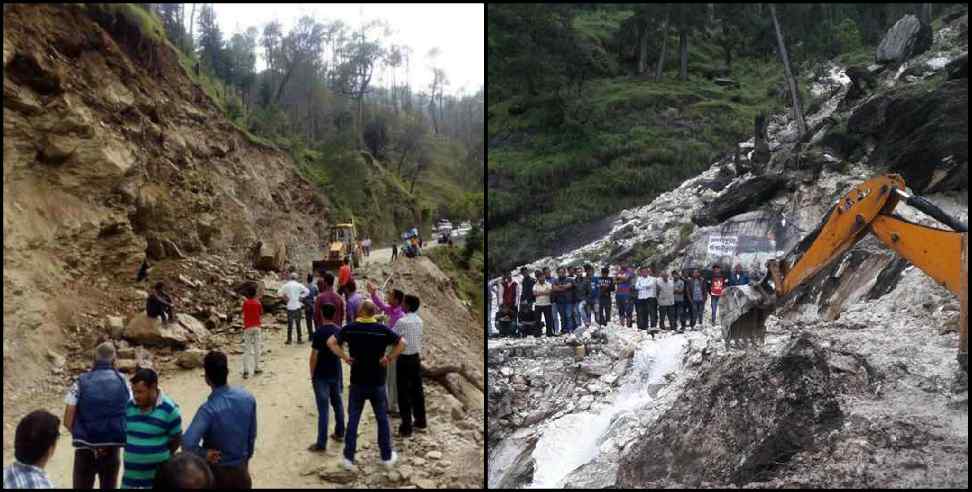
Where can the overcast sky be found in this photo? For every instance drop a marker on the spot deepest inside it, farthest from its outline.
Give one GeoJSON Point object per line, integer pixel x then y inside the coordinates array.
{"type": "Point", "coordinates": [458, 30]}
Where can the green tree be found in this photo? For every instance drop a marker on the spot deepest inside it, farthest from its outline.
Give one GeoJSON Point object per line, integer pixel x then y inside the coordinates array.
{"type": "Point", "coordinates": [211, 42]}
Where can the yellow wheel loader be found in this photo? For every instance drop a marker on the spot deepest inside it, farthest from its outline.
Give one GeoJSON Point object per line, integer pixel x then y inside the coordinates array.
{"type": "Point", "coordinates": [342, 243]}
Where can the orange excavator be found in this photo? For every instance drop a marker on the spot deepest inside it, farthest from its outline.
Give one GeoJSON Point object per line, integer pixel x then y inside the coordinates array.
{"type": "Point", "coordinates": [867, 208]}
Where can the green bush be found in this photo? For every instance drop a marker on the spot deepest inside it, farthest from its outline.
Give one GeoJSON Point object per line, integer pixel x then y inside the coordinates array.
{"type": "Point", "coordinates": [848, 36]}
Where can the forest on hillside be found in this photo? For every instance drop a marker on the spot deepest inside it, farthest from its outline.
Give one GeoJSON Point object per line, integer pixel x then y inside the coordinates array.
{"type": "Point", "coordinates": [319, 98]}
{"type": "Point", "coordinates": [599, 107]}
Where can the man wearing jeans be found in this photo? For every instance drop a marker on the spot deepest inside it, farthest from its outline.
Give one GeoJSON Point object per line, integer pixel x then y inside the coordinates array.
{"type": "Point", "coordinates": [326, 380]}
{"type": "Point", "coordinates": [292, 292]}
{"type": "Point", "coordinates": [563, 294]}
{"type": "Point", "coordinates": [696, 290]}
{"type": "Point", "coordinates": [367, 340]}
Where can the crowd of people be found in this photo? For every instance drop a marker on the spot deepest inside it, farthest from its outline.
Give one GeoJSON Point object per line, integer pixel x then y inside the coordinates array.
{"type": "Point", "coordinates": [645, 298]}
{"type": "Point", "coordinates": [131, 423]}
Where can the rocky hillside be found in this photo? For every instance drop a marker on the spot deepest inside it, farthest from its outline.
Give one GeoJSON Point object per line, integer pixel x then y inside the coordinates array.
{"type": "Point", "coordinates": [111, 153]}
{"type": "Point", "coordinates": [857, 384]}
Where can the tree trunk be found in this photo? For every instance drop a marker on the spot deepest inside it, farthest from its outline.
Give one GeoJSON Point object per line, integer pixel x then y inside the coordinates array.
{"type": "Point", "coordinates": [790, 79]}
{"type": "Point", "coordinates": [924, 13]}
{"type": "Point", "coordinates": [762, 153]}
{"type": "Point", "coordinates": [401, 160]}
{"type": "Point", "coordinates": [727, 46]}
{"type": "Point", "coordinates": [192, 24]}
{"type": "Point", "coordinates": [642, 46]}
{"type": "Point", "coordinates": [360, 135]}
{"type": "Point", "coordinates": [683, 53]}
{"type": "Point", "coordinates": [660, 68]}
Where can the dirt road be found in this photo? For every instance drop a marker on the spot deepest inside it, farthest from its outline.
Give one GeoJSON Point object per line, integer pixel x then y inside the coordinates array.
{"type": "Point", "coordinates": [287, 424]}
{"type": "Point", "coordinates": [286, 419]}
{"type": "Point", "coordinates": [383, 255]}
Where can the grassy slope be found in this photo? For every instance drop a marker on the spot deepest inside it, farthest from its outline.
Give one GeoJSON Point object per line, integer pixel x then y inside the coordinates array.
{"type": "Point", "coordinates": [470, 280]}
{"type": "Point", "coordinates": [642, 138]}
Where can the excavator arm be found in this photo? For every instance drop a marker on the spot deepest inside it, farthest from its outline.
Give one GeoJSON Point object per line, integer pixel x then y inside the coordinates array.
{"type": "Point", "coordinates": [867, 208]}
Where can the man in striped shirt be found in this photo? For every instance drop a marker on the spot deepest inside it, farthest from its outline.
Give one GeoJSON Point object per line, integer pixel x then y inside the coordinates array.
{"type": "Point", "coordinates": [154, 430]}
{"type": "Point", "coordinates": [411, 397]}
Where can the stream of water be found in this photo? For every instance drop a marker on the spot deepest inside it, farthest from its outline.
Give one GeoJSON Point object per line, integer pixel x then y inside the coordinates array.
{"type": "Point", "coordinates": [575, 439]}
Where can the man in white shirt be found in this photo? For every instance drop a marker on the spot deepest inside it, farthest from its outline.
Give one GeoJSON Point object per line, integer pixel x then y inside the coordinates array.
{"type": "Point", "coordinates": [492, 294]}
{"type": "Point", "coordinates": [666, 300]}
{"type": "Point", "coordinates": [646, 300]}
{"type": "Point", "coordinates": [411, 397]}
{"type": "Point", "coordinates": [292, 292]}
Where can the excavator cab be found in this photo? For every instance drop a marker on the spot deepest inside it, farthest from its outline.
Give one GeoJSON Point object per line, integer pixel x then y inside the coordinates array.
{"type": "Point", "coordinates": [867, 208]}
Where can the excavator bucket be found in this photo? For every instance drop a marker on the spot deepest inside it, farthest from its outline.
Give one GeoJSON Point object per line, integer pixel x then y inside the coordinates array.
{"type": "Point", "coordinates": [743, 310]}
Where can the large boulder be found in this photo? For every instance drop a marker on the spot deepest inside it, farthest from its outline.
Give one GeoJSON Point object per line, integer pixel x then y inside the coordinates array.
{"type": "Point", "coordinates": [958, 68]}
{"type": "Point", "coordinates": [927, 140]}
{"type": "Point", "coordinates": [740, 418]}
{"type": "Point", "coordinates": [862, 81]}
{"type": "Point", "coordinates": [741, 197]}
{"type": "Point", "coordinates": [907, 38]}
{"type": "Point", "coordinates": [511, 464]}
{"type": "Point", "coordinates": [192, 358]}
{"type": "Point", "coordinates": [116, 326]}
{"type": "Point", "coordinates": [152, 332]}
{"type": "Point", "coordinates": [269, 255]}
{"type": "Point", "coordinates": [748, 239]}
{"type": "Point", "coordinates": [195, 329]}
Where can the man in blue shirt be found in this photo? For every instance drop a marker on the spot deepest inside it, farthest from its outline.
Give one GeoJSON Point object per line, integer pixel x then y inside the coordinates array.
{"type": "Point", "coordinates": [227, 425]}
{"type": "Point", "coordinates": [325, 373]}
{"type": "Point", "coordinates": [367, 340]}
{"type": "Point", "coordinates": [738, 277]}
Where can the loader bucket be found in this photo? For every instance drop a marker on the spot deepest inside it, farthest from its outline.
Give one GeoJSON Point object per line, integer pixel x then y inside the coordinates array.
{"type": "Point", "coordinates": [743, 310]}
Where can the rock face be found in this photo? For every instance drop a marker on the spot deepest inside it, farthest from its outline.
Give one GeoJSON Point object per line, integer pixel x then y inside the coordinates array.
{"type": "Point", "coordinates": [732, 427]}
{"type": "Point", "coordinates": [738, 198]}
{"type": "Point", "coordinates": [907, 38]}
{"type": "Point", "coordinates": [926, 140]}
{"type": "Point", "coordinates": [111, 153]}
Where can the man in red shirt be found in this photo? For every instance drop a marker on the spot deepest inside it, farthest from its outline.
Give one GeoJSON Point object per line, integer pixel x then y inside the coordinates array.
{"type": "Point", "coordinates": [716, 285]}
{"type": "Point", "coordinates": [327, 296]}
{"type": "Point", "coordinates": [253, 345]}
{"type": "Point", "coordinates": [344, 275]}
